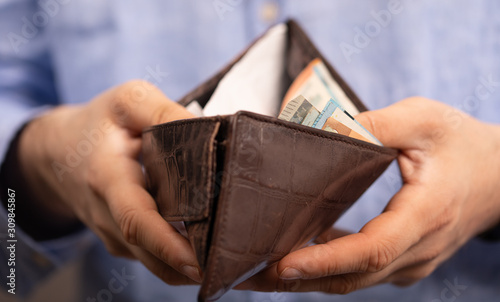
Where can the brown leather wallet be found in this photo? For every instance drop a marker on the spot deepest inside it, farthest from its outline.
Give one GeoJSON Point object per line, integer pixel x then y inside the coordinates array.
{"type": "Point", "coordinates": [252, 188]}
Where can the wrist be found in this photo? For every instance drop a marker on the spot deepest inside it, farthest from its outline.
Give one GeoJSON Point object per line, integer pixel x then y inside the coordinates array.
{"type": "Point", "coordinates": [43, 213]}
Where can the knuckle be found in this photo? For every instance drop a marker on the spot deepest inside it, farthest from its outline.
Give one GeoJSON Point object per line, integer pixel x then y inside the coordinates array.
{"type": "Point", "coordinates": [120, 108]}
{"type": "Point", "coordinates": [161, 115]}
{"type": "Point", "coordinates": [128, 96]}
{"type": "Point", "coordinates": [128, 226]}
{"type": "Point", "coordinates": [381, 256]}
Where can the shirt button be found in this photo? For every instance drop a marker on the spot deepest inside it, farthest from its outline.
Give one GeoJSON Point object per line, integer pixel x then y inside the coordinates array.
{"type": "Point", "coordinates": [269, 12]}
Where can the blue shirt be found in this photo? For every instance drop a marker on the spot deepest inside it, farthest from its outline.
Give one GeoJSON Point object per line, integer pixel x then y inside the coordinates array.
{"type": "Point", "coordinates": [68, 51]}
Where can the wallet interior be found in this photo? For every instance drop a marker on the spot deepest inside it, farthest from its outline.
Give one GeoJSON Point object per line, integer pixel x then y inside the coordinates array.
{"type": "Point", "coordinates": [276, 59]}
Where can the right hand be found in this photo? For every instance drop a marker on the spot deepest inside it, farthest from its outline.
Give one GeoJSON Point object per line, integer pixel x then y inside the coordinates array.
{"type": "Point", "coordinates": [82, 163]}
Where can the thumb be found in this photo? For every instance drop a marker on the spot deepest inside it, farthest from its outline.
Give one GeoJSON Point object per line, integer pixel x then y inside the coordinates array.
{"type": "Point", "coordinates": [400, 125]}
{"type": "Point", "coordinates": [136, 105]}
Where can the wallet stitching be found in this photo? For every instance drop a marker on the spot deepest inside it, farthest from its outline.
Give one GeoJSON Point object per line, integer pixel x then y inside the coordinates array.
{"type": "Point", "coordinates": [216, 254]}
{"type": "Point", "coordinates": [201, 120]}
{"type": "Point", "coordinates": [212, 171]}
{"type": "Point", "coordinates": [385, 150]}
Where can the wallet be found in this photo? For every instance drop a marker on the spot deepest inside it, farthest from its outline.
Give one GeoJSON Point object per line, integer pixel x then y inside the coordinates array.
{"type": "Point", "coordinates": [251, 188]}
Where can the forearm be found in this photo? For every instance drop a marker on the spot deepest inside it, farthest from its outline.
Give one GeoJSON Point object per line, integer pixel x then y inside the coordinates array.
{"type": "Point", "coordinates": [34, 214]}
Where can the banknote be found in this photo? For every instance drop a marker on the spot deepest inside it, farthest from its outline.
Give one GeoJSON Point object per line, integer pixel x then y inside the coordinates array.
{"type": "Point", "coordinates": [334, 89]}
{"type": "Point", "coordinates": [317, 85]}
{"type": "Point", "coordinates": [332, 118]}
{"type": "Point", "coordinates": [336, 119]}
{"type": "Point", "coordinates": [300, 111]}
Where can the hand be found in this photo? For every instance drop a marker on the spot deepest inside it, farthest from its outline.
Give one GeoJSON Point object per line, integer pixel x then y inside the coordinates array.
{"type": "Point", "coordinates": [450, 165]}
{"type": "Point", "coordinates": [82, 163]}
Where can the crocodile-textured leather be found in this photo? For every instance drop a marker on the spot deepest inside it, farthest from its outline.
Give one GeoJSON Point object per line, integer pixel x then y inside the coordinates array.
{"type": "Point", "coordinates": [252, 188]}
{"type": "Point", "coordinates": [180, 165]}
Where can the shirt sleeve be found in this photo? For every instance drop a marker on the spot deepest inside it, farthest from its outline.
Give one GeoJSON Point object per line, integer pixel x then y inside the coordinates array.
{"type": "Point", "coordinates": [27, 89]}
{"type": "Point", "coordinates": [26, 79]}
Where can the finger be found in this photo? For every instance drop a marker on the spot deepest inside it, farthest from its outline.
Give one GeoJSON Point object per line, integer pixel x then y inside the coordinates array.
{"type": "Point", "coordinates": [422, 259]}
{"type": "Point", "coordinates": [340, 284]}
{"type": "Point", "coordinates": [266, 280]}
{"type": "Point", "coordinates": [100, 221]}
{"type": "Point", "coordinates": [161, 269]}
{"type": "Point", "coordinates": [377, 245]}
{"type": "Point", "coordinates": [415, 264]}
{"type": "Point", "coordinates": [139, 104]}
{"type": "Point", "coordinates": [269, 281]}
{"type": "Point", "coordinates": [396, 124]}
{"type": "Point", "coordinates": [135, 212]}
{"type": "Point", "coordinates": [116, 245]}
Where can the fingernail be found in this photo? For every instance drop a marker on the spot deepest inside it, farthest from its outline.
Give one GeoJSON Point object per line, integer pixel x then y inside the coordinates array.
{"type": "Point", "coordinates": [192, 272]}
{"type": "Point", "coordinates": [291, 273]}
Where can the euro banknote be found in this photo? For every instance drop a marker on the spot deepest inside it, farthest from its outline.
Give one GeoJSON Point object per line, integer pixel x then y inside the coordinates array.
{"type": "Point", "coordinates": [332, 118]}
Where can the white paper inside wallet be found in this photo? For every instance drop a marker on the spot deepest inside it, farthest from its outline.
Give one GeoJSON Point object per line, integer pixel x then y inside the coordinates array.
{"type": "Point", "coordinates": [255, 82]}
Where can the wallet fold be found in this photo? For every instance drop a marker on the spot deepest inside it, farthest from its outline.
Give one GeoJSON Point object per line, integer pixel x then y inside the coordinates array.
{"type": "Point", "coordinates": [252, 188]}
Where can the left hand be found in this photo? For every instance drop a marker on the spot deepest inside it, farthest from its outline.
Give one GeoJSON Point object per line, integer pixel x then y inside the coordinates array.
{"type": "Point", "coordinates": [81, 163]}
{"type": "Point", "coordinates": [450, 164]}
